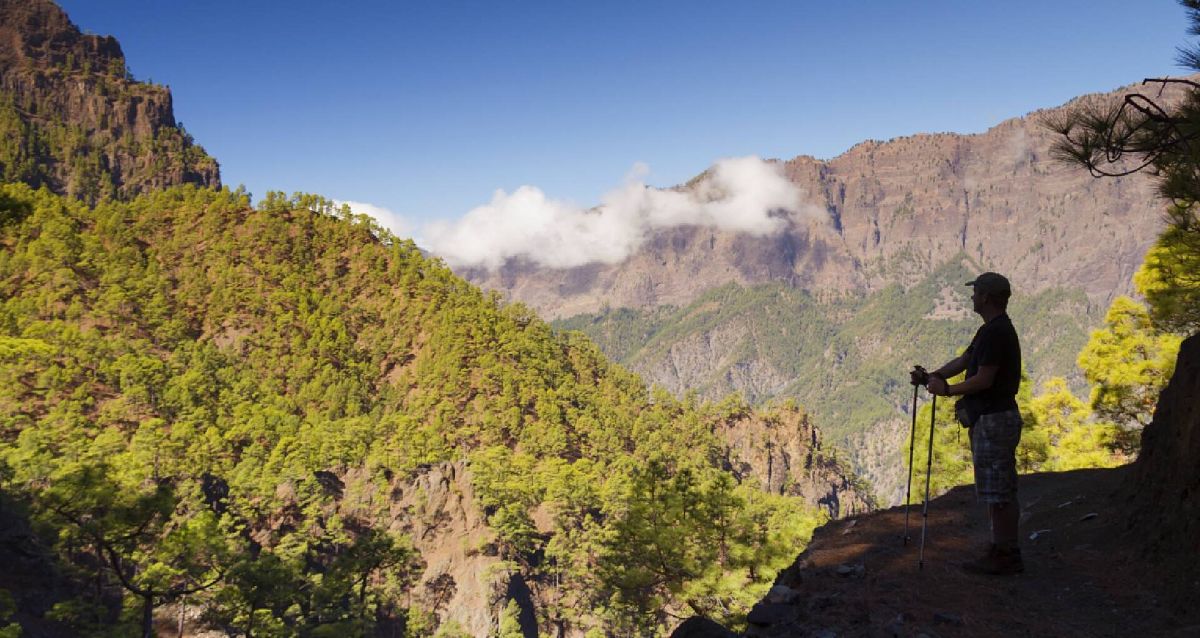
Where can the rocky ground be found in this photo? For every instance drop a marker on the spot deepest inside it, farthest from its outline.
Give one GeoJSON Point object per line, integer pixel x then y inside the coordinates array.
{"type": "Point", "coordinates": [1085, 573]}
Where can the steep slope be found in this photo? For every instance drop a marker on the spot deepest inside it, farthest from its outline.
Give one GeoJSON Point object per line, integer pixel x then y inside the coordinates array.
{"type": "Point", "coordinates": [283, 419]}
{"type": "Point", "coordinates": [1083, 577]}
{"type": "Point", "coordinates": [74, 120]}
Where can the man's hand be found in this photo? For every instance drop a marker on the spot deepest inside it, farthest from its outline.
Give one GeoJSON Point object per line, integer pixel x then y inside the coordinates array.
{"type": "Point", "coordinates": [918, 376]}
{"type": "Point", "coordinates": [938, 386]}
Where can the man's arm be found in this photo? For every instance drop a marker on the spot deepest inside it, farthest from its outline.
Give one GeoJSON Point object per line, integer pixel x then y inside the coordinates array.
{"type": "Point", "coordinates": [955, 366]}
{"type": "Point", "coordinates": [982, 380]}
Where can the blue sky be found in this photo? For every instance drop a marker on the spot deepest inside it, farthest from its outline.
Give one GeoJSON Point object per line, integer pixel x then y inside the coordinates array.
{"type": "Point", "coordinates": [427, 108]}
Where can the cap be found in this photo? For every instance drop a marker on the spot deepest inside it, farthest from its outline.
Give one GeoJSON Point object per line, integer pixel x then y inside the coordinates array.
{"type": "Point", "coordinates": [991, 283]}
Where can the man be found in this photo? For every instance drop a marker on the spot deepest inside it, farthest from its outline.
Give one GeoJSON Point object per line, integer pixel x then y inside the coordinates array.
{"type": "Point", "coordinates": [989, 408]}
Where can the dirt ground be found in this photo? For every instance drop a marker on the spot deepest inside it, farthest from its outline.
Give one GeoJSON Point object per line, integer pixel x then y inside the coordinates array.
{"type": "Point", "coordinates": [1085, 574]}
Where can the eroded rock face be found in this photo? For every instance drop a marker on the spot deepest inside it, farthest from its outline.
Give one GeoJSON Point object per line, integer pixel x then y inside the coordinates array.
{"type": "Point", "coordinates": [782, 450]}
{"type": "Point", "coordinates": [78, 123]}
{"type": "Point", "coordinates": [462, 581]}
{"type": "Point", "coordinates": [893, 212]}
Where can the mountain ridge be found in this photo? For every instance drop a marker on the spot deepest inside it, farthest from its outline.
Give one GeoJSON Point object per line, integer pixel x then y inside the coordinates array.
{"type": "Point", "coordinates": [312, 426]}
{"type": "Point", "coordinates": [932, 193]}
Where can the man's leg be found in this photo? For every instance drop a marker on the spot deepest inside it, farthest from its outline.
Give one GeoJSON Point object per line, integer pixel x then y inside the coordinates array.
{"type": "Point", "coordinates": [993, 446]}
{"type": "Point", "coordinates": [1005, 518]}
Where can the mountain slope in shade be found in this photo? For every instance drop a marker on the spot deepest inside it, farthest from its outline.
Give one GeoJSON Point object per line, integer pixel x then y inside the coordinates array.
{"type": "Point", "coordinates": [74, 120]}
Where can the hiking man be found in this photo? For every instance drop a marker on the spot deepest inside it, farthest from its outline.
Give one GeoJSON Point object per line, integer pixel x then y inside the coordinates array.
{"type": "Point", "coordinates": [988, 407]}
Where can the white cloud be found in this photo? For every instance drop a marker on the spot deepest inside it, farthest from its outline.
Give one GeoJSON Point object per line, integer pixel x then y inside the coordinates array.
{"type": "Point", "coordinates": [742, 194]}
{"type": "Point", "coordinates": [392, 221]}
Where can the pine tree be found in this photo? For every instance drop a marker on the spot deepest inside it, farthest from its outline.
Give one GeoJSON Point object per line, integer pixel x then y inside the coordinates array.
{"type": "Point", "coordinates": [1128, 362]}
{"type": "Point", "coordinates": [510, 622]}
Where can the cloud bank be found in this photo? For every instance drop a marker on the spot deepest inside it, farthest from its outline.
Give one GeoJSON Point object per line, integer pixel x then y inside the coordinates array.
{"type": "Point", "coordinates": [743, 194]}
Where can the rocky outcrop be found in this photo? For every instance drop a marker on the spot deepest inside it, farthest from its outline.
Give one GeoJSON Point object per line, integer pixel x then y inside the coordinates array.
{"type": "Point", "coordinates": [463, 582]}
{"type": "Point", "coordinates": [782, 451]}
{"type": "Point", "coordinates": [894, 211]}
{"type": "Point", "coordinates": [1165, 494]}
{"type": "Point", "coordinates": [76, 122]}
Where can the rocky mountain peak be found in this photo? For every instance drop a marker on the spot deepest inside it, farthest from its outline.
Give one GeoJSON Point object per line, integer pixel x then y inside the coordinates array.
{"type": "Point", "coordinates": [38, 33]}
{"type": "Point", "coordinates": [78, 122]}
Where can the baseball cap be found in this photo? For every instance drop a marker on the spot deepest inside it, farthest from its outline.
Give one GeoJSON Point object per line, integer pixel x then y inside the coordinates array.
{"type": "Point", "coordinates": [991, 283]}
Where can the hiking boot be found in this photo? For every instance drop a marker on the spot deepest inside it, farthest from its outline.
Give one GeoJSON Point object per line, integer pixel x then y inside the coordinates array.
{"type": "Point", "coordinates": [997, 562]}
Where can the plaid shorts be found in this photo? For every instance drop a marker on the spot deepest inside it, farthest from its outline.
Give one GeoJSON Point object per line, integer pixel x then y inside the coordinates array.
{"type": "Point", "coordinates": [994, 453]}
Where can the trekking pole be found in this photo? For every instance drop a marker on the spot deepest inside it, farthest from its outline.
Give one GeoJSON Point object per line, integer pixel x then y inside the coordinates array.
{"type": "Point", "coordinates": [912, 443]}
{"type": "Point", "coordinates": [928, 472]}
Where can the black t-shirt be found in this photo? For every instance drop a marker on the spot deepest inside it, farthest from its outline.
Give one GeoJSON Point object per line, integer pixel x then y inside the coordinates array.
{"type": "Point", "coordinates": [996, 344]}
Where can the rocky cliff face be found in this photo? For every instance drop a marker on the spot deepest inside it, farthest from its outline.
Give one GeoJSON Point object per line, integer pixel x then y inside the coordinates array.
{"type": "Point", "coordinates": [894, 211]}
{"type": "Point", "coordinates": [462, 581]}
{"type": "Point", "coordinates": [465, 582]}
{"type": "Point", "coordinates": [72, 119]}
{"type": "Point", "coordinates": [782, 451]}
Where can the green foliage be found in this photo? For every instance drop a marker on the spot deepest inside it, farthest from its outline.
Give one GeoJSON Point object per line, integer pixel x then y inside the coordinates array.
{"type": "Point", "coordinates": [7, 608]}
{"type": "Point", "coordinates": [510, 622]}
{"type": "Point", "coordinates": [1169, 278]}
{"type": "Point", "coordinates": [451, 630]}
{"type": "Point", "coordinates": [203, 399]}
{"type": "Point", "coordinates": [1128, 362]}
{"type": "Point", "coordinates": [688, 535]}
{"type": "Point", "coordinates": [1064, 436]}
{"type": "Point", "coordinates": [419, 622]}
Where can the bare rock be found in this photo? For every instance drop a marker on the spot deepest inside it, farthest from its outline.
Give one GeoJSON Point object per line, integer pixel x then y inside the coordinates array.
{"type": "Point", "coordinates": [767, 614]}
{"type": "Point", "coordinates": [782, 594]}
{"type": "Point", "coordinates": [1165, 494]}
